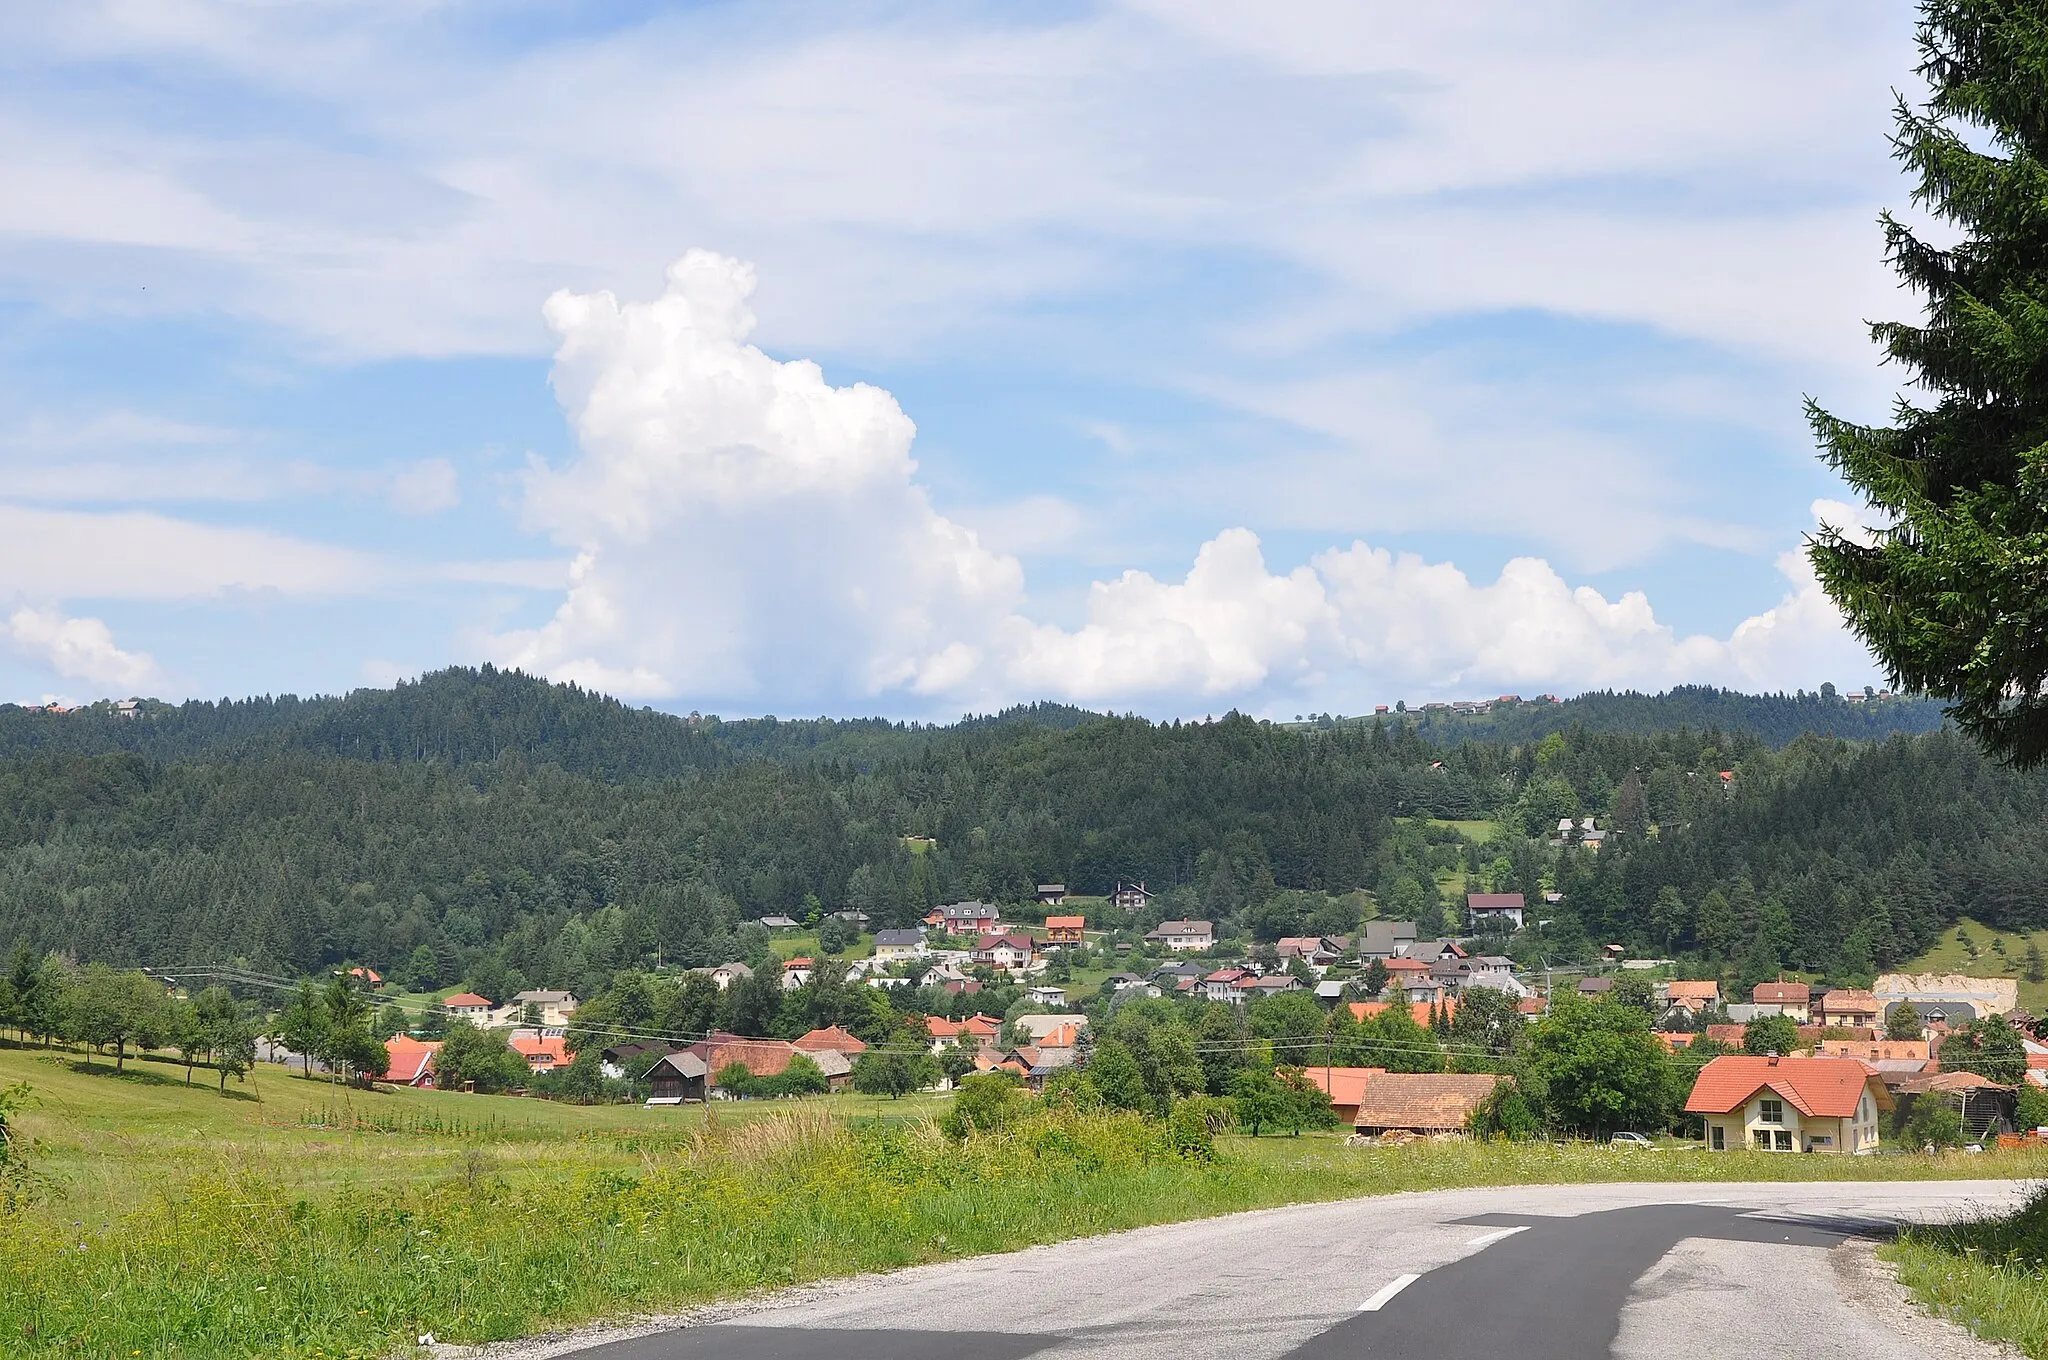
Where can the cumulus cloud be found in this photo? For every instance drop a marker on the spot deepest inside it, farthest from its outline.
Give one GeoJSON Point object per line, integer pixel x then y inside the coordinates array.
{"type": "Point", "coordinates": [743, 529]}
{"type": "Point", "coordinates": [76, 648]}
{"type": "Point", "coordinates": [741, 526]}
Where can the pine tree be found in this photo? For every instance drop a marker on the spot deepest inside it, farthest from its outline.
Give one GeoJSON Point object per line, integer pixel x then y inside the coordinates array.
{"type": "Point", "coordinates": [1948, 594]}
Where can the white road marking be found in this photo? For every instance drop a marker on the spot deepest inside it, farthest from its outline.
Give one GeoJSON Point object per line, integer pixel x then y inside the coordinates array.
{"type": "Point", "coordinates": [1489, 1239]}
{"type": "Point", "coordinates": [1393, 1287]}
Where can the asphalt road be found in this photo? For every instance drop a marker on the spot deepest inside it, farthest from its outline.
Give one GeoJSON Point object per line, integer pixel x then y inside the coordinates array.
{"type": "Point", "coordinates": [1637, 1272]}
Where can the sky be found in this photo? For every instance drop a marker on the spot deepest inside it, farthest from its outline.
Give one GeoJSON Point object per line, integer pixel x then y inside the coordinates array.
{"type": "Point", "coordinates": [924, 359]}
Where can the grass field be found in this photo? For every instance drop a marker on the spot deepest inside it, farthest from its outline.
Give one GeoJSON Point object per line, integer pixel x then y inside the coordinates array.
{"type": "Point", "coordinates": [1477, 832]}
{"type": "Point", "coordinates": [1989, 1275]}
{"type": "Point", "coordinates": [295, 1218]}
{"type": "Point", "coordinates": [1950, 956]}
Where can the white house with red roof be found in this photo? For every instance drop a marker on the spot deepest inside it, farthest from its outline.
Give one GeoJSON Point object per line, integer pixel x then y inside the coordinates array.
{"type": "Point", "coordinates": [543, 1053]}
{"type": "Point", "coordinates": [468, 1006]}
{"type": "Point", "coordinates": [409, 1061]}
{"type": "Point", "coordinates": [1787, 1104]}
{"type": "Point", "coordinates": [1013, 952]}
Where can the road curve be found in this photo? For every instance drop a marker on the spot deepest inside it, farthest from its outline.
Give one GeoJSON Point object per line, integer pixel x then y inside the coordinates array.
{"type": "Point", "coordinates": [1638, 1272]}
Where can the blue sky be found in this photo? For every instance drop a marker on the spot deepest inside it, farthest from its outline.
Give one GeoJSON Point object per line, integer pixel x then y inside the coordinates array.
{"type": "Point", "coordinates": [913, 359]}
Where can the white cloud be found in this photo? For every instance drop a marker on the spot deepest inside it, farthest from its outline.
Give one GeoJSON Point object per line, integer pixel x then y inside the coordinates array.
{"type": "Point", "coordinates": [139, 555]}
{"type": "Point", "coordinates": [740, 526]}
{"type": "Point", "coordinates": [426, 488]}
{"type": "Point", "coordinates": [77, 649]}
{"type": "Point", "coordinates": [742, 529]}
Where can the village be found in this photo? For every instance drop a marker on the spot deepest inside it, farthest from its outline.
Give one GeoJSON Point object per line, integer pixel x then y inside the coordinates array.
{"type": "Point", "coordinates": [1793, 1066]}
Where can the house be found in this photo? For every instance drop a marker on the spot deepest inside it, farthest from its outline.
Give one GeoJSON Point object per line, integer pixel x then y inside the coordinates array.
{"type": "Point", "coordinates": [1494, 911]}
{"type": "Point", "coordinates": [1433, 951]}
{"type": "Point", "coordinates": [1052, 894]}
{"type": "Point", "coordinates": [968, 918]}
{"type": "Point", "coordinates": [1595, 987]}
{"type": "Point", "coordinates": [1418, 1011]}
{"type": "Point", "coordinates": [1384, 939]}
{"type": "Point", "coordinates": [1053, 1031]}
{"type": "Point", "coordinates": [1953, 1014]}
{"type": "Point", "coordinates": [1123, 982]}
{"type": "Point", "coordinates": [974, 1032]}
{"type": "Point", "coordinates": [1421, 1102]}
{"type": "Point", "coordinates": [467, 1006]}
{"type": "Point", "coordinates": [894, 946]}
{"type": "Point", "coordinates": [1878, 1050]}
{"type": "Point", "coordinates": [1789, 1104]}
{"type": "Point", "coordinates": [1314, 950]}
{"type": "Point", "coordinates": [409, 1062]}
{"type": "Point", "coordinates": [832, 1039]}
{"type": "Point", "coordinates": [367, 977]}
{"type": "Point", "coordinates": [543, 1053]}
{"type": "Point", "coordinates": [760, 1057]}
{"type": "Point", "coordinates": [1046, 996]}
{"type": "Point", "coordinates": [127, 708]}
{"type": "Point", "coordinates": [1192, 936]}
{"type": "Point", "coordinates": [1791, 998]}
{"type": "Point", "coordinates": [1273, 984]}
{"type": "Point", "coordinates": [1064, 929]}
{"type": "Point", "coordinates": [1221, 985]}
{"type": "Point", "coordinates": [1693, 997]}
{"type": "Point", "coordinates": [796, 972]}
{"type": "Point", "coordinates": [628, 1059]}
{"type": "Point", "coordinates": [853, 918]}
{"type": "Point", "coordinates": [726, 974]}
{"type": "Point", "coordinates": [1846, 1006]}
{"type": "Point", "coordinates": [675, 1077]}
{"type": "Point", "coordinates": [1345, 1087]}
{"type": "Point", "coordinates": [1730, 1035]}
{"type": "Point", "coordinates": [1988, 1108]}
{"type": "Point", "coordinates": [1492, 970]}
{"type": "Point", "coordinates": [780, 922]}
{"type": "Point", "coordinates": [1012, 952]}
{"type": "Point", "coordinates": [555, 1008]}
{"type": "Point", "coordinates": [1130, 896]}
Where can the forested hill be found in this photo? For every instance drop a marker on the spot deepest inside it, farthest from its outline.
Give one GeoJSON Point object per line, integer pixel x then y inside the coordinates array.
{"type": "Point", "coordinates": [1775, 718]}
{"type": "Point", "coordinates": [463, 716]}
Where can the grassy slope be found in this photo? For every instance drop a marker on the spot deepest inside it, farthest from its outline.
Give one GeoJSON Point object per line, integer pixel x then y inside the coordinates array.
{"type": "Point", "coordinates": [368, 1217]}
{"type": "Point", "coordinates": [1949, 956]}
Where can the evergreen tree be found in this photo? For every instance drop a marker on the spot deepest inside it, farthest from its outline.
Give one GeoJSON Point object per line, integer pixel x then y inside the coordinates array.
{"type": "Point", "coordinates": [1948, 595]}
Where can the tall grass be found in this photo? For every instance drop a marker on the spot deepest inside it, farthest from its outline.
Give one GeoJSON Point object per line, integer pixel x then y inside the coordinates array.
{"type": "Point", "coordinates": [232, 1252]}
{"type": "Point", "coordinates": [1989, 1274]}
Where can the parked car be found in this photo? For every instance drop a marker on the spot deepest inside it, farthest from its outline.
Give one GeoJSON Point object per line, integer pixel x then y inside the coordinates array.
{"type": "Point", "coordinates": [1635, 1142]}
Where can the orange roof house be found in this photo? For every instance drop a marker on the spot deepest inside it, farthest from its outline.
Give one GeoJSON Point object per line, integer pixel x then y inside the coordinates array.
{"type": "Point", "coordinates": [761, 1057]}
{"type": "Point", "coordinates": [409, 1061]}
{"type": "Point", "coordinates": [1362, 1011]}
{"type": "Point", "coordinates": [1344, 1085]}
{"type": "Point", "coordinates": [542, 1055]}
{"type": "Point", "coordinates": [1694, 995]}
{"type": "Point", "coordinates": [369, 977]}
{"type": "Point", "coordinates": [832, 1038]}
{"type": "Point", "coordinates": [1788, 1104]}
{"type": "Point", "coordinates": [467, 1003]}
{"type": "Point", "coordinates": [1064, 929]}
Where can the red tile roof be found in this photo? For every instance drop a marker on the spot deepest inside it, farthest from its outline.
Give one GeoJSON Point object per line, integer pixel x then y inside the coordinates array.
{"type": "Point", "coordinates": [1064, 1036]}
{"type": "Point", "coordinates": [1826, 1088]}
{"type": "Point", "coordinates": [1345, 1085]}
{"type": "Point", "coordinates": [1781, 994]}
{"type": "Point", "coordinates": [834, 1038]}
{"type": "Point", "coordinates": [466, 999]}
{"type": "Point", "coordinates": [540, 1052]}
{"type": "Point", "coordinates": [1065, 922]}
{"type": "Point", "coordinates": [762, 1057]}
{"type": "Point", "coordinates": [409, 1059]}
{"type": "Point", "coordinates": [1366, 1010]}
{"type": "Point", "coordinates": [1726, 1034]}
{"type": "Point", "coordinates": [1425, 1102]}
{"type": "Point", "coordinates": [1494, 901]}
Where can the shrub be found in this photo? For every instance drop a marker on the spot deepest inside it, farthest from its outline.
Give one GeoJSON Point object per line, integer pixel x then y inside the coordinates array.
{"type": "Point", "coordinates": [986, 1103]}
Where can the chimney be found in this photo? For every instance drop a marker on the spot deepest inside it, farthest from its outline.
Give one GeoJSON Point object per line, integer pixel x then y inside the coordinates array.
{"type": "Point", "coordinates": [1773, 1056]}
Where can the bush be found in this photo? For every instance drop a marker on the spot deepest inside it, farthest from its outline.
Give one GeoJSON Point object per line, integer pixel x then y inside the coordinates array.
{"type": "Point", "coordinates": [1505, 1114]}
{"type": "Point", "coordinates": [2033, 1107]}
{"type": "Point", "coordinates": [985, 1103]}
{"type": "Point", "coordinates": [1194, 1122]}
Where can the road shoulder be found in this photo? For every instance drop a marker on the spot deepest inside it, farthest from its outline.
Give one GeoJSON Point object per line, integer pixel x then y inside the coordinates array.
{"type": "Point", "coordinates": [1872, 1286]}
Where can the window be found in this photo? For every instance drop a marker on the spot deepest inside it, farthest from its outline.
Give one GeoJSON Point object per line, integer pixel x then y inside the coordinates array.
{"type": "Point", "coordinates": [1784, 1137]}
{"type": "Point", "coordinates": [1717, 1138]}
{"type": "Point", "coordinates": [1770, 1111]}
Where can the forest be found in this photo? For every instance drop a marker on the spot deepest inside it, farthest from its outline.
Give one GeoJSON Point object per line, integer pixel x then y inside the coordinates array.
{"type": "Point", "coordinates": [487, 821]}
